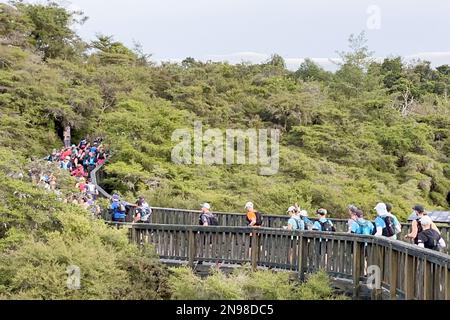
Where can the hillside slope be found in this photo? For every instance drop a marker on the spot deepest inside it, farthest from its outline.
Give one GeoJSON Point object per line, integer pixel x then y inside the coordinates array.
{"type": "Point", "coordinates": [368, 132]}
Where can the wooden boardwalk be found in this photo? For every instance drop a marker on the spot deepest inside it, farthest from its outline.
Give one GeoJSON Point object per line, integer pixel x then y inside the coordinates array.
{"type": "Point", "coordinates": [389, 268]}
{"type": "Point", "coordinates": [406, 271]}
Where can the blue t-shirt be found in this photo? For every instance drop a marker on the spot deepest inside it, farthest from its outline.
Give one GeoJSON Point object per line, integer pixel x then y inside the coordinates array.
{"type": "Point", "coordinates": [297, 224]}
{"type": "Point", "coordinates": [396, 222]}
{"type": "Point", "coordinates": [379, 222]}
{"type": "Point", "coordinates": [353, 226]}
{"type": "Point", "coordinates": [318, 226]}
{"type": "Point", "coordinates": [117, 214]}
{"type": "Point", "coordinates": [66, 165]}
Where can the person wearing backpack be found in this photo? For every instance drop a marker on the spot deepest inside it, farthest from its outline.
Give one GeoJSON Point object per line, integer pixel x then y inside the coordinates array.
{"type": "Point", "coordinates": [81, 185]}
{"type": "Point", "coordinates": [295, 222]}
{"type": "Point", "coordinates": [90, 162]}
{"type": "Point", "coordinates": [303, 214]}
{"type": "Point", "coordinates": [141, 215]}
{"type": "Point", "coordinates": [66, 164]}
{"type": "Point", "coordinates": [101, 156]}
{"type": "Point", "coordinates": [416, 226]}
{"type": "Point", "coordinates": [82, 144]}
{"type": "Point", "coordinates": [352, 223]}
{"type": "Point", "coordinates": [118, 209]}
{"type": "Point", "coordinates": [78, 172]}
{"type": "Point", "coordinates": [428, 237]}
{"type": "Point", "coordinates": [144, 205]}
{"type": "Point", "coordinates": [207, 218]}
{"type": "Point", "coordinates": [254, 218]}
{"type": "Point", "coordinates": [398, 226]}
{"type": "Point", "coordinates": [323, 223]}
{"type": "Point", "coordinates": [359, 224]}
{"type": "Point", "coordinates": [91, 189]}
{"type": "Point", "coordinates": [384, 223]}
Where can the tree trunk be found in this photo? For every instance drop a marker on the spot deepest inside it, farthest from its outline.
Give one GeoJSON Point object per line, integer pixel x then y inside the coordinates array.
{"type": "Point", "coordinates": [67, 137]}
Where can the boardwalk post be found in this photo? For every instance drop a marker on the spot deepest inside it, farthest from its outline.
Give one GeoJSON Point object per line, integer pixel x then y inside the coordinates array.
{"type": "Point", "coordinates": [254, 250]}
{"type": "Point", "coordinates": [427, 281]}
{"type": "Point", "coordinates": [356, 268]}
{"type": "Point", "coordinates": [191, 250]}
{"type": "Point", "coordinates": [409, 277]}
{"type": "Point", "coordinates": [377, 260]}
{"type": "Point", "coordinates": [132, 235]}
{"type": "Point", "coordinates": [393, 267]}
{"type": "Point", "coordinates": [447, 285]}
{"type": "Point", "coordinates": [300, 258]}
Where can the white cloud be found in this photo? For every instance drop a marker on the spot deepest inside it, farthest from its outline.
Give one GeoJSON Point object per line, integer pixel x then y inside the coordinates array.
{"type": "Point", "coordinates": [257, 57]}
{"type": "Point", "coordinates": [436, 59]}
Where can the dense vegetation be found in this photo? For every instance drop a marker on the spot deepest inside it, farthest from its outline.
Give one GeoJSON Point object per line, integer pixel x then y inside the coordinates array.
{"type": "Point", "coordinates": [41, 236]}
{"type": "Point", "coordinates": [49, 79]}
{"type": "Point", "coordinates": [371, 131]}
{"type": "Point", "coordinates": [244, 284]}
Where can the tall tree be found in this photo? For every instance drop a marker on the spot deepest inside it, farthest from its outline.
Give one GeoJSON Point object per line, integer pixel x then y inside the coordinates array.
{"type": "Point", "coordinates": [311, 71]}
{"type": "Point", "coordinates": [51, 32]}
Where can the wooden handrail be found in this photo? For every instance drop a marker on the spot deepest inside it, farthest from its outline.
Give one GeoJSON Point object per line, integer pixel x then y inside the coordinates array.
{"type": "Point", "coordinates": [406, 271]}
{"type": "Point", "coordinates": [190, 217]}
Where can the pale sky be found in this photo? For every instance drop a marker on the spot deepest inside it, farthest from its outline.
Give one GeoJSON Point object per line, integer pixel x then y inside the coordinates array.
{"type": "Point", "coordinates": [251, 30]}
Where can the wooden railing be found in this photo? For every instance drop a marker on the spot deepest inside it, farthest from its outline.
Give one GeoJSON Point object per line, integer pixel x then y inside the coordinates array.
{"type": "Point", "coordinates": [406, 271]}
{"type": "Point", "coordinates": [191, 217]}
{"type": "Point", "coordinates": [96, 176]}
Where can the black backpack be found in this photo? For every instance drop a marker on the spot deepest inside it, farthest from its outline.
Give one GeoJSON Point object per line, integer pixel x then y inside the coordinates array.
{"type": "Point", "coordinates": [213, 221]}
{"type": "Point", "coordinates": [419, 230]}
{"type": "Point", "coordinates": [327, 226]}
{"type": "Point", "coordinates": [374, 231]}
{"type": "Point", "coordinates": [259, 219]}
{"type": "Point", "coordinates": [389, 230]}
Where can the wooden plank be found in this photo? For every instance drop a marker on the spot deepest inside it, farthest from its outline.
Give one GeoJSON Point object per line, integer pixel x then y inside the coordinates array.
{"type": "Point", "coordinates": [192, 249]}
{"type": "Point", "coordinates": [393, 266]}
{"type": "Point", "coordinates": [409, 278]}
{"type": "Point", "coordinates": [255, 250]}
{"type": "Point", "coordinates": [356, 269]}
{"type": "Point", "coordinates": [428, 281]}
{"type": "Point", "coordinates": [300, 249]}
{"type": "Point", "coordinates": [447, 284]}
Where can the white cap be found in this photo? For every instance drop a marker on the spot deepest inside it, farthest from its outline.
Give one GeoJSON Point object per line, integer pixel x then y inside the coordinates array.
{"type": "Point", "coordinates": [249, 205]}
{"type": "Point", "coordinates": [426, 221]}
{"type": "Point", "coordinates": [304, 213]}
{"type": "Point", "coordinates": [381, 209]}
{"type": "Point", "coordinates": [206, 206]}
{"type": "Point", "coordinates": [291, 209]}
